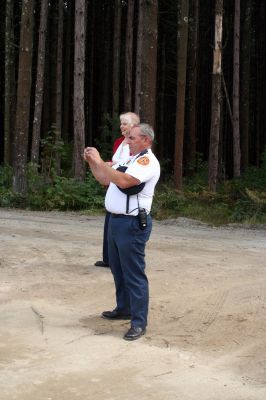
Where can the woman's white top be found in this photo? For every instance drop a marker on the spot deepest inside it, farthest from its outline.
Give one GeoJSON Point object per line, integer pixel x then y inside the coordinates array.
{"type": "Point", "coordinates": [122, 153]}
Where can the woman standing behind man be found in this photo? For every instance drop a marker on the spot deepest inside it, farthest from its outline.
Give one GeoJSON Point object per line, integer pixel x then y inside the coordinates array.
{"type": "Point", "coordinates": [120, 154]}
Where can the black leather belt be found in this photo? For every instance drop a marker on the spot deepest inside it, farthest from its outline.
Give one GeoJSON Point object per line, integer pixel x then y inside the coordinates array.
{"type": "Point", "coordinates": [122, 216]}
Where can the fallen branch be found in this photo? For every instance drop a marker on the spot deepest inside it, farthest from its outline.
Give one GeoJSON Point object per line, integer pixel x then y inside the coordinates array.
{"type": "Point", "coordinates": [40, 317]}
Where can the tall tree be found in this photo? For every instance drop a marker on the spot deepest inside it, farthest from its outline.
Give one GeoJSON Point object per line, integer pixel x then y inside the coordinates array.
{"type": "Point", "coordinates": [245, 84]}
{"type": "Point", "coordinates": [106, 59]}
{"type": "Point", "coordinates": [182, 41]}
{"type": "Point", "coordinates": [23, 98]}
{"type": "Point", "coordinates": [90, 74]}
{"type": "Point", "coordinates": [216, 98]}
{"type": "Point", "coordinates": [236, 133]}
{"type": "Point", "coordinates": [116, 56]}
{"type": "Point", "coordinates": [9, 80]}
{"type": "Point", "coordinates": [192, 84]}
{"type": "Point", "coordinates": [37, 120]}
{"type": "Point", "coordinates": [146, 70]}
{"type": "Point", "coordinates": [68, 72]}
{"type": "Point", "coordinates": [129, 56]}
{"type": "Point", "coordinates": [79, 74]}
{"type": "Point", "coordinates": [260, 136]}
{"type": "Point", "coordinates": [59, 80]}
{"type": "Point", "coordinates": [139, 57]}
{"type": "Point", "coordinates": [52, 51]}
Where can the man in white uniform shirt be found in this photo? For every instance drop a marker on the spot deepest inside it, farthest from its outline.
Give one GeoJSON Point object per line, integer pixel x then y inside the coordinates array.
{"type": "Point", "coordinates": [129, 199]}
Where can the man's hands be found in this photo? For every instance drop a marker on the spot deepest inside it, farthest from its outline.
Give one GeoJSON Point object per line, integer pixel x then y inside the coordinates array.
{"type": "Point", "coordinates": [97, 165]}
{"type": "Point", "coordinates": [104, 173]}
{"type": "Point", "coordinates": [91, 155]}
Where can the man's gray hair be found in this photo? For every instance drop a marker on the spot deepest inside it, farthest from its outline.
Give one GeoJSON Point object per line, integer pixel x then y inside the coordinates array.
{"type": "Point", "coordinates": [146, 130]}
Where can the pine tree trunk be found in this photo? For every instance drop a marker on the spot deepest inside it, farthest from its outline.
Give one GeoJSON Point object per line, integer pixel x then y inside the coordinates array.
{"type": "Point", "coordinates": [181, 91]}
{"type": "Point", "coordinates": [59, 79]}
{"type": "Point", "coordinates": [9, 82]}
{"type": "Point", "coordinates": [161, 93]}
{"type": "Point", "coordinates": [245, 86]}
{"type": "Point", "coordinates": [236, 132]}
{"type": "Point", "coordinates": [106, 76]}
{"type": "Point", "coordinates": [79, 75]}
{"type": "Point", "coordinates": [139, 57]}
{"type": "Point", "coordinates": [68, 60]}
{"type": "Point", "coordinates": [37, 120]}
{"type": "Point", "coordinates": [129, 56]}
{"type": "Point", "coordinates": [216, 98]}
{"type": "Point", "coordinates": [23, 98]}
{"type": "Point", "coordinates": [145, 95]}
{"type": "Point", "coordinates": [192, 86]}
{"type": "Point", "coordinates": [260, 121]}
{"type": "Point", "coordinates": [53, 38]}
{"type": "Point", "coordinates": [91, 76]}
{"type": "Point", "coordinates": [116, 56]}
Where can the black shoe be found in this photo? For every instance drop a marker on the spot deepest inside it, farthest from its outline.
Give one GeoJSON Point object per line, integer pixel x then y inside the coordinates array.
{"type": "Point", "coordinates": [115, 315]}
{"type": "Point", "coordinates": [101, 264]}
{"type": "Point", "coordinates": [134, 333]}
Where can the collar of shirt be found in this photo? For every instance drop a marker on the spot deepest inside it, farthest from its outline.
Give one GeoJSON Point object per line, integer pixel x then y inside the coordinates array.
{"type": "Point", "coordinates": [132, 159]}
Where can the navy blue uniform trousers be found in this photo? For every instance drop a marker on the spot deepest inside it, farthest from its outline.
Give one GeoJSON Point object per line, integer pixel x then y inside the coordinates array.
{"type": "Point", "coordinates": [105, 238]}
{"type": "Point", "coordinates": [126, 245]}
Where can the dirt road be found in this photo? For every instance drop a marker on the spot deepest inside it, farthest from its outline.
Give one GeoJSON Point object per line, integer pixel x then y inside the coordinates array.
{"type": "Point", "coordinates": [206, 338]}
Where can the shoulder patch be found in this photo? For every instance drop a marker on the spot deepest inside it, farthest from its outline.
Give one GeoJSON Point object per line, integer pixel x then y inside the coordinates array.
{"type": "Point", "coordinates": [143, 160]}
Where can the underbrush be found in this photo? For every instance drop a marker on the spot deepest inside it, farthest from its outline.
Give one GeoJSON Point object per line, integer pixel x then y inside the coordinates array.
{"type": "Point", "coordinates": [236, 201]}
{"type": "Point", "coordinates": [56, 193]}
{"type": "Point", "coordinates": [241, 200]}
{"type": "Point", "coordinates": [221, 208]}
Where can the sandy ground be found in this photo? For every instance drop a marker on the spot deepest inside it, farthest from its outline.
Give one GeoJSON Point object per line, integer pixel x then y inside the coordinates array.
{"type": "Point", "coordinates": [206, 338]}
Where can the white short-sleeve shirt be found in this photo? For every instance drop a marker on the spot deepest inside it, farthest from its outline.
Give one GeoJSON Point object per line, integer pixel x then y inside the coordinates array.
{"type": "Point", "coordinates": [145, 168]}
{"type": "Point", "coordinates": [122, 153]}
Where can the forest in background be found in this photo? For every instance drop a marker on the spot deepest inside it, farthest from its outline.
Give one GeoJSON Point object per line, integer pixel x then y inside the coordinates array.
{"type": "Point", "coordinates": [194, 69]}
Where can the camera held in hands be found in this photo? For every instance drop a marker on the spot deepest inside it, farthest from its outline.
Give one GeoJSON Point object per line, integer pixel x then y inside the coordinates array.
{"type": "Point", "coordinates": [142, 216]}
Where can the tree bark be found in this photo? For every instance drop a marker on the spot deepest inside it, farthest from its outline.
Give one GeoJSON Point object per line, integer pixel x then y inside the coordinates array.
{"type": "Point", "coordinates": [236, 132]}
{"type": "Point", "coordinates": [59, 80]}
{"type": "Point", "coordinates": [216, 98]}
{"type": "Point", "coordinates": [37, 119]}
{"type": "Point", "coordinates": [116, 57]}
{"type": "Point", "coordinates": [91, 76]}
{"type": "Point", "coordinates": [245, 86]}
{"type": "Point", "coordinates": [146, 70]}
{"type": "Point", "coordinates": [53, 38]}
{"type": "Point", "coordinates": [23, 98]}
{"type": "Point", "coordinates": [260, 93]}
{"type": "Point", "coordinates": [106, 62]}
{"type": "Point", "coordinates": [9, 82]}
{"type": "Point", "coordinates": [139, 57]}
{"type": "Point", "coordinates": [182, 41]}
{"type": "Point", "coordinates": [129, 56]}
{"type": "Point", "coordinates": [192, 86]}
{"type": "Point", "coordinates": [79, 74]}
{"type": "Point", "coordinates": [68, 73]}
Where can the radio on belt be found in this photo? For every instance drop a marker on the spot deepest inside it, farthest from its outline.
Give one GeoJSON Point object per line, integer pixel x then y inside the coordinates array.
{"type": "Point", "coordinates": [142, 216]}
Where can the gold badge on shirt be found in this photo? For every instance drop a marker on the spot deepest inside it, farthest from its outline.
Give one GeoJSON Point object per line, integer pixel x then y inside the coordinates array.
{"type": "Point", "coordinates": [143, 160]}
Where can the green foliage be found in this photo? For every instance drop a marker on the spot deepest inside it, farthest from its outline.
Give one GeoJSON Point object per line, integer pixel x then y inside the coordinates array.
{"type": "Point", "coordinates": [68, 194]}
{"type": "Point", "coordinates": [5, 176]}
{"type": "Point", "coordinates": [66, 158]}
{"type": "Point", "coordinates": [109, 131]}
{"type": "Point", "coordinates": [196, 179]}
{"type": "Point", "coordinates": [168, 202]}
{"type": "Point", "coordinates": [51, 146]}
{"type": "Point", "coordinates": [205, 206]}
{"type": "Point", "coordinates": [61, 193]}
{"type": "Point", "coordinates": [241, 200]}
